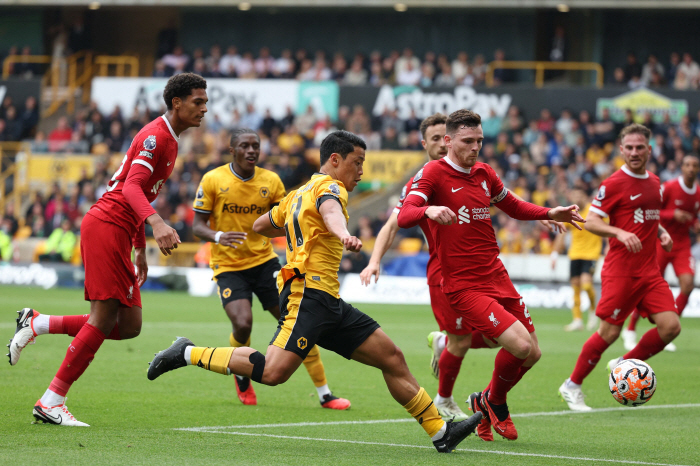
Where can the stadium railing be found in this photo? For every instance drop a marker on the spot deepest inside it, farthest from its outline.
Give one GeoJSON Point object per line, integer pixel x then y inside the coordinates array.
{"type": "Point", "coordinates": [541, 66]}
{"type": "Point", "coordinates": [9, 168]}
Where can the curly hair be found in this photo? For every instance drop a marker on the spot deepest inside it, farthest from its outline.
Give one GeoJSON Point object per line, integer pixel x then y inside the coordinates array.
{"type": "Point", "coordinates": [240, 132]}
{"type": "Point", "coordinates": [181, 86]}
{"type": "Point", "coordinates": [432, 120]}
{"type": "Point", "coordinates": [636, 128]}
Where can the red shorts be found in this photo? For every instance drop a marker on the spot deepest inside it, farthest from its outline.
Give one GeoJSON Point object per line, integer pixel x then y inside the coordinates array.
{"type": "Point", "coordinates": [491, 308]}
{"type": "Point", "coordinates": [447, 319]}
{"type": "Point", "coordinates": [682, 260]}
{"type": "Point", "coordinates": [109, 272]}
{"type": "Point", "coordinates": [621, 295]}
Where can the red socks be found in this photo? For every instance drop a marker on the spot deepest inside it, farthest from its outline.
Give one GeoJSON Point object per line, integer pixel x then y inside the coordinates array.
{"type": "Point", "coordinates": [449, 365]}
{"type": "Point", "coordinates": [632, 326]}
{"type": "Point", "coordinates": [591, 352]}
{"type": "Point", "coordinates": [681, 302]}
{"type": "Point", "coordinates": [81, 352]}
{"type": "Point", "coordinates": [650, 344]}
{"type": "Point", "coordinates": [71, 325]}
{"type": "Point", "coordinates": [505, 375]}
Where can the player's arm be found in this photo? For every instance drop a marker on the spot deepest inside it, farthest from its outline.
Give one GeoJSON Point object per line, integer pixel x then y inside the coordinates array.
{"type": "Point", "coordinates": [332, 214]}
{"type": "Point", "coordinates": [265, 226]}
{"type": "Point", "coordinates": [201, 230]}
{"type": "Point", "coordinates": [665, 238]}
{"type": "Point", "coordinates": [557, 248]}
{"type": "Point", "coordinates": [554, 227]}
{"type": "Point", "coordinates": [595, 223]}
{"type": "Point", "coordinates": [416, 206]}
{"type": "Point", "coordinates": [139, 242]}
{"type": "Point", "coordinates": [523, 210]}
{"type": "Point", "coordinates": [384, 240]}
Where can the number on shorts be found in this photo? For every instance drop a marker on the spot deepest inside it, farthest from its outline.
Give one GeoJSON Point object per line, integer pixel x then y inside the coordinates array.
{"type": "Point", "coordinates": [116, 174]}
{"type": "Point", "coordinates": [527, 313]}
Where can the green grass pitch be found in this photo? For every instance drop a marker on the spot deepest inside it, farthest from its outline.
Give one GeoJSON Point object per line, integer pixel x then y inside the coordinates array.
{"type": "Point", "coordinates": [135, 421]}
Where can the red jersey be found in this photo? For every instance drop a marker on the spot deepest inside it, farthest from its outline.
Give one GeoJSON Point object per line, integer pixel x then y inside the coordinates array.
{"type": "Point", "coordinates": [678, 196]}
{"type": "Point", "coordinates": [433, 270]}
{"type": "Point", "coordinates": [469, 246]}
{"type": "Point", "coordinates": [154, 147]}
{"type": "Point", "coordinates": [633, 203]}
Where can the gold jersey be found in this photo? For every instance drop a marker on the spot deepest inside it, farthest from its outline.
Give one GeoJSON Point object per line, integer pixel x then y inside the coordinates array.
{"type": "Point", "coordinates": [311, 248]}
{"type": "Point", "coordinates": [584, 244]}
{"type": "Point", "coordinates": [234, 204]}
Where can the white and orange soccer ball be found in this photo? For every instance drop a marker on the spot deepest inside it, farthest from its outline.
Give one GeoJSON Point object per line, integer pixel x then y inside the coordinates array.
{"type": "Point", "coordinates": [632, 382]}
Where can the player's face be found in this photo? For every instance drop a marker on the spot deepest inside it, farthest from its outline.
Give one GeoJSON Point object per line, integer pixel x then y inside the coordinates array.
{"type": "Point", "coordinates": [434, 142]}
{"type": "Point", "coordinates": [349, 170]}
{"type": "Point", "coordinates": [192, 109]}
{"type": "Point", "coordinates": [690, 167]}
{"type": "Point", "coordinates": [465, 145]}
{"type": "Point", "coordinates": [635, 149]}
{"type": "Point", "coordinates": [246, 152]}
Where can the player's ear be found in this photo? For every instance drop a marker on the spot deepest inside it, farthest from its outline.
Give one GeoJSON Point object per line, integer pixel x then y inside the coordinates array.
{"type": "Point", "coordinates": [176, 103]}
{"type": "Point", "coordinates": [335, 159]}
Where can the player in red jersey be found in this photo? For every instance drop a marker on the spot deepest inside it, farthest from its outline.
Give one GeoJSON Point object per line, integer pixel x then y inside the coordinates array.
{"type": "Point", "coordinates": [456, 193]}
{"type": "Point", "coordinates": [109, 230]}
{"type": "Point", "coordinates": [632, 199]}
{"type": "Point", "coordinates": [459, 338]}
{"type": "Point", "coordinates": [679, 214]}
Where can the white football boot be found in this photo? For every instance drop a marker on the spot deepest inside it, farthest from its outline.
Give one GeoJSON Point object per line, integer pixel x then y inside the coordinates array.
{"type": "Point", "coordinates": [449, 410]}
{"type": "Point", "coordinates": [433, 338]}
{"type": "Point", "coordinates": [671, 347]}
{"type": "Point", "coordinates": [575, 326]}
{"type": "Point", "coordinates": [614, 362]}
{"type": "Point", "coordinates": [593, 321]}
{"type": "Point", "coordinates": [573, 397]}
{"type": "Point", "coordinates": [57, 415]}
{"type": "Point", "coordinates": [629, 339]}
{"type": "Point", "coordinates": [24, 334]}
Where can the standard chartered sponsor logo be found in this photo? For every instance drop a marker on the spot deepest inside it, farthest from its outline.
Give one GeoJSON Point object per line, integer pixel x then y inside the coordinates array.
{"type": "Point", "coordinates": [639, 216]}
{"type": "Point", "coordinates": [650, 214]}
{"type": "Point", "coordinates": [463, 215]}
{"type": "Point", "coordinates": [478, 213]}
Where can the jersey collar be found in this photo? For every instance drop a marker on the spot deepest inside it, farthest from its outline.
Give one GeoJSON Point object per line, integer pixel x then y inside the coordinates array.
{"type": "Point", "coordinates": [230, 166]}
{"type": "Point", "coordinates": [455, 166]}
{"type": "Point", "coordinates": [177, 139]}
{"type": "Point", "coordinates": [686, 189]}
{"type": "Point", "coordinates": [634, 175]}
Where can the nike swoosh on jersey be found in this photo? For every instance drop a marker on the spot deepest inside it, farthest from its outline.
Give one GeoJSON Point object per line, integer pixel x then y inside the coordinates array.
{"type": "Point", "coordinates": [455, 190]}
{"type": "Point", "coordinates": [635, 197]}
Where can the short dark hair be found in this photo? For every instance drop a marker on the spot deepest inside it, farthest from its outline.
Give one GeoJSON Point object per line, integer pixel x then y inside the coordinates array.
{"type": "Point", "coordinates": [432, 120]}
{"type": "Point", "coordinates": [461, 118]}
{"type": "Point", "coordinates": [635, 128]}
{"type": "Point", "coordinates": [181, 86]}
{"type": "Point", "coordinates": [240, 132]}
{"type": "Point", "coordinates": [340, 142]}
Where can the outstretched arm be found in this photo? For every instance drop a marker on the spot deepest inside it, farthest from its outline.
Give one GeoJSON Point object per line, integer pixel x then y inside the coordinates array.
{"type": "Point", "coordinates": [226, 238]}
{"type": "Point", "coordinates": [332, 214]}
{"type": "Point", "coordinates": [264, 226]}
{"type": "Point", "coordinates": [385, 239]}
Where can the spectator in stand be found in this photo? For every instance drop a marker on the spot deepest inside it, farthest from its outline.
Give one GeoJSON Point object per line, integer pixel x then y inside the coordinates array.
{"type": "Point", "coordinates": [408, 75]}
{"type": "Point", "coordinates": [446, 77]}
{"type": "Point", "coordinates": [479, 69]}
{"type": "Point", "coordinates": [401, 63]}
{"type": "Point", "coordinates": [252, 119]}
{"type": "Point", "coordinates": [390, 139]}
{"type": "Point", "coordinates": [213, 59]}
{"type": "Point", "coordinates": [427, 75]}
{"type": "Point", "coordinates": [26, 69]}
{"type": "Point", "coordinates": [501, 75]}
{"type": "Point", "coordinates": [228, 65]}
{"type": "Point", "coordinates": [413, 141]}
{"type": "Point", "coordinates": [60, 244]}
{"type": "Point", "coordinates": [632, 68]}
{"type": "Point", "coordinates": [29, 117]}
{"type": "Point", "coordinates": [339, 67]}
{"type": "Point", "coordinates": [358, 122]}
{"type": "Point", "coordinates": [13, 124]}
{"type": "Point", "coordinates": [356, 75]}
{"type": "Point", "coordinates": [6, 103]}
{"type": "Point", "coordinates": [200, 68]}
{"type": "Point", "coordinates": [264, 64]}
{"type": "Point", "coordinates": [246, 66]}
{"type": "Point", "coordinates": [412, 123]}
{"type": "Point", "coordinates": [673, 62]}
{"type": "Point", "coordinates": [77, 145]}
{"type": "Point", "coordinates": [60, 136]}
{"type": "Point", "coordinates": [12, 66]}
{"type": "Point", "coordinates": [177, 60]}
{"type": "Point", "coordinates": [305, 122]}
{"type": "Point", "coordinates": [322, 129]}
{"type": "Point", "coordinates": [284, 66]}
{"type": "Point", "coordinates": [691, 73]}
{"type": "Point", "coordinates": [115, 140]}
{"type": "Point", "coordinates": [376, 76]}
{"type": "Point", "coordinates": [650, 67]}
{"type": "Point", "coordinates": [6, 246]}
{"type": "Point", "coordinates": [290, 142]}
{"type": "Point", "coordinates": [460, 66]}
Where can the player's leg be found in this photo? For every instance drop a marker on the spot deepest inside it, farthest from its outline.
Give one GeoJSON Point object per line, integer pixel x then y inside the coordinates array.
{"type": "Point", "coordinates": [575, 280]}
{"type": "Point", "coordinates": [685, 281]}
{"type": "Point", "coordinates": [449, 365]}
{"type": "Point", "coordinates": [587, 286]}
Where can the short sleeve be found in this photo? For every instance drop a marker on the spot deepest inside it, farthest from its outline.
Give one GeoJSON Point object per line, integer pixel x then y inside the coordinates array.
{"type": "Point", "coordinates": [278, 214]}
{"type": "Point", "coordinates": [497, 189]}
{"type": "Point", "coordinates": [148, 148]}
{"type": "Point", "coordinates": [205, 197]}
{"type": "Point", "coordinates": [604, 202]}
{"type": "Point", "coordinates": [423, 183]}
{"type": "Point", "coordinates": [333, 190]}
{"type": "Point", "coordinates": [278, 191]}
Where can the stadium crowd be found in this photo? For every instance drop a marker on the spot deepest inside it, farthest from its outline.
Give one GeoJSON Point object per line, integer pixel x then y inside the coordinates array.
{"type": "Point", "coordinates": [539, 157]}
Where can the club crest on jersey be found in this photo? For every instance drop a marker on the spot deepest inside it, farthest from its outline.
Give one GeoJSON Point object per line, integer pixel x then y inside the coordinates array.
{"type": "Point", "coordinates": [601, 193]}
{"type": "Point", "coordinates": [264, 192]}
{"type": "Point", "coordinates": [486, 189]}
{"type": "Point", "coordinates": [335, 189]}
{"type": "Point", "coordinates": [150, 142]}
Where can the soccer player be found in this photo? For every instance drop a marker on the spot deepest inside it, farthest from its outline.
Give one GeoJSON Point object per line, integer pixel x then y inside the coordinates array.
{"type": "Point", "coordinates": [109, 230]}
{"type": "Point", "coordinates": [459, 338]}
{"type": "Point", "coordinates": [679, 214]}
{"type": "Point", "coordinates": [314, 220]}
{"type": "Point", "coordinates": [583, 253]}
{"type": "Point", "coordinates": [632, 199]}
{"type": "Point", "coordinates": [456, 193]}
{"type": "Point", "coordinates": [231, 198]}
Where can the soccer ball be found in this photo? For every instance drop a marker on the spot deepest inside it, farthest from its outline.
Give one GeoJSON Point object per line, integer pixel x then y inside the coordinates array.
{"type": "Point", "coordinates": [632, 382]}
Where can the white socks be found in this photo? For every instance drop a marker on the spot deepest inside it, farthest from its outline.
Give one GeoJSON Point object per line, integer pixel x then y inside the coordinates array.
{"type": "Point", "coordinates": [40, 324]}
{"type": "Point", "coordinates": [438, 399]}
{"type": "Point", "coordinates": [324, 390]}
{"type": "Point", "coordinates": [51, 399]}
{"type": "Point", "coordinates": [440, 433]}
{"type": "Point", "coordinates": [188, 353]}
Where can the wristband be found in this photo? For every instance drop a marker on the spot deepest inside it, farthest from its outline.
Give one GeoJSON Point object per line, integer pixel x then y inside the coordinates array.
{"type": "Point", "coordinates": [217, 236]}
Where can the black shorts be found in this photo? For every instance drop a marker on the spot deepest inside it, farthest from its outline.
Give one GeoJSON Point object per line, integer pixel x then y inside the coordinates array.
{"type": "Point", "coordinates": [241, 284]}
{"type": "Point", "coordinates": [580, 266]}
{"type": "Point", "coordinates": [311, 317]}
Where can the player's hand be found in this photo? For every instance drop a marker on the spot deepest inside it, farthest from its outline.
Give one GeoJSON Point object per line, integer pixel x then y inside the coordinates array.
{"type": "Point", "coordinates": [681, 216]}
{"type": "Point", "coordinates": [368, 272]}
{"type": "Point", "coordinates": [352, 243]}
{"type": "Point", "coordinates": [141, 265]}
{"type": "Point", "coordinates": [630, 241]}
{"type": "Point", "coordinates": [554, 227]}
{"type": "Point", "coordinates": [441, 215]}
{"type": "Point", "coordinates": [666, 242]}
{"type": "Point", "coordinates": [166, 237]}
{"type": "Point", "coordinates": [231, 238]}
{"type": "Point", "coordinates": [568, 214]}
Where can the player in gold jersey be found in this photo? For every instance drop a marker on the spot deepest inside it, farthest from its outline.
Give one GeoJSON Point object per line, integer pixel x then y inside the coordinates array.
{"type": "Point", "coordinates": [314, 220]}
{"type": "Point", "coordinates": [230, 198]}
{"type": "Point", "coordinates": [584, 251]}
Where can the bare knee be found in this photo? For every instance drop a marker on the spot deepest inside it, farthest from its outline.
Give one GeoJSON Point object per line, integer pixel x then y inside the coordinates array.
{"type": "Point", "coordinates": [521, 348]}
{"type": "Point", "coordinates": [274, 376]}
{"type": "Point", "coordinates": [535, 355]}
{"type": "Point", "coordinates": [670, 331]}
{"type": "Point", "coordinates": [129, 332]}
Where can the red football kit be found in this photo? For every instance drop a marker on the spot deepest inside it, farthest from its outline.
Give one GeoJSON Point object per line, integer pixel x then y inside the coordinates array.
{"type": "Point", "coordinates": [474, 279]}
{"type": "Point", "coordinates": [116, 221]}
{"type": "Point", "coordinates": [447, 319]}
{"type": "Point", "coordinates": [633, 203]}
{"type": "Point", "coordinates": [678, 196]}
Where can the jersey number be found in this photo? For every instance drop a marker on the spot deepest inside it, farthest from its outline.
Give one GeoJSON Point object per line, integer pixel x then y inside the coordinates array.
{"type": "Point", "coordinates": [116, 174]}
{"type": "Point", "coordinates": [294, 210]}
